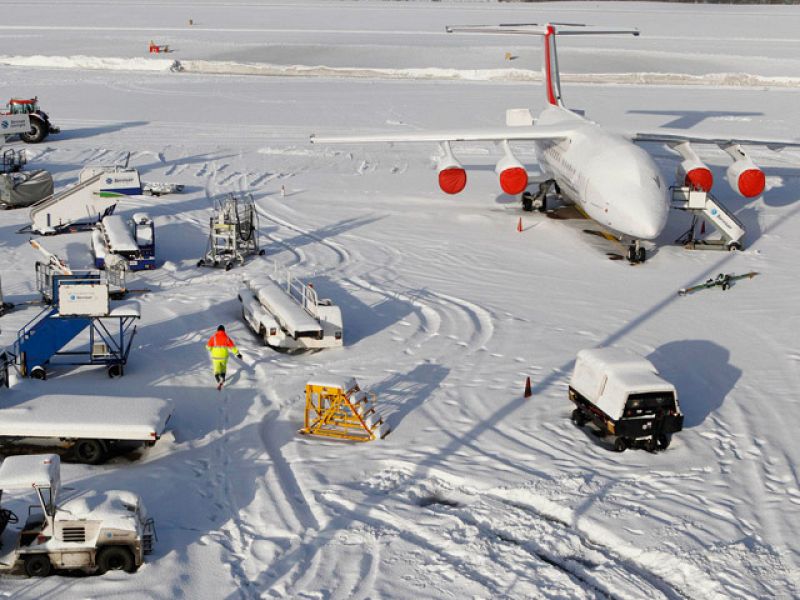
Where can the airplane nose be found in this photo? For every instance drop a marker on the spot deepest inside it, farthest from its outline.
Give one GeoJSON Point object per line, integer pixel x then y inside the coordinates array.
{"type": "Point", "coordinates": [649, 216]}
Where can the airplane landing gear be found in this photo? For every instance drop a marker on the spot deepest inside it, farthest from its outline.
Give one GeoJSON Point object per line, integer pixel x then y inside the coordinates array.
{"type": "Point", "coordinates": [636, 253]}
{"type": "Point", "coordinates": [538, 200]}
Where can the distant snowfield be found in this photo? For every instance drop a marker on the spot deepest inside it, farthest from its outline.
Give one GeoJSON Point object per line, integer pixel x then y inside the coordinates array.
{"type": "Point", "coordinates": [477, 492]}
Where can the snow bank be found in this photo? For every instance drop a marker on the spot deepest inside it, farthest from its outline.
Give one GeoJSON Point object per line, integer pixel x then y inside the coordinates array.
{"type": "Point", "coordinates": [209, 67]}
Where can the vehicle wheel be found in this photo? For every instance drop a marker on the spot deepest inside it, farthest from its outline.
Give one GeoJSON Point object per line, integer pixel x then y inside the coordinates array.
{"type": "Point", "coordinates": [39, 373]}
{"type": "Point", "coordinates": [663, 441]}
{"type": "Point", "coordinates": [543, 205]}
{"type": "Point", "coordinates": [527, 201]}
{"type": "Point", "coordinates": [115, 558]}
{"type": "Point", "coordinates": [734, 246]}
{"type": "Point", "coordinates": [228, 266]}
{"type": "Point", "coordinates": [90, 452]}
{"type": "Point", "coordinates": [115, 371]}
{"type": "Point", "coordinates": [652, 444]}
{"type": "Point", "coordinates": [38, 132]}
{"type": "Point", "coordinates": [262, 252]}
{"type": "Point", "coordinates": [577, 418]}
{"type": "Point", "coordinates": [620, 444]}
{"type": "Point", "coordinates": [631, 254]}
{"type": "Point", "coordinates": [38, 565]}
{"type": "Point", "coordinates": [641, 255]}
{"type": "Point", "coordinates": [201, 262]}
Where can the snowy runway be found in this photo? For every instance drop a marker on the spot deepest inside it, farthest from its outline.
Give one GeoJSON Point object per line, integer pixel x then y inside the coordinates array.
{"type": "Point", "coordinates": [447, 309]}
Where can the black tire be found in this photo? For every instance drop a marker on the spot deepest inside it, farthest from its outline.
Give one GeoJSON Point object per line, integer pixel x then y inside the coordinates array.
{"type": "Point", "coordinates": [90, 452]}
{"type": "Point", "coordinates": [641, 255]}
{"type": "Point", "coordinates": [631, 255]}
{"type": "Point", "coordinates": [39, 373]}
{"type": "Point", "coordinates": [652, 444]}
{"type": "Point", "coordinates": [543, 205]}
{"type": "Point", "coordinates": [201, 262]}
{"type": "Point", "coordinates": [620, 444]}
{"type": "Point", "coordinates": [228, 266]}
{"type": "Point", "coordinates": [38, 565]}
{"type": "Point", "coordinates": [734, 246]}
{"type": "Point", "coordinates": [578, 418]}
{"type": "Point", "coordinates": [663, 441]}
{"type": "Point", "coordinates": [39, 130]}
{"type": "Point", "coordinates": [262, 252]}
{"type": "Point", "coordinates": [527, 201]}
{"type": "Point", "coordinates": [115, 371]}
{"type": "Point", "coordinates": [115, 558]}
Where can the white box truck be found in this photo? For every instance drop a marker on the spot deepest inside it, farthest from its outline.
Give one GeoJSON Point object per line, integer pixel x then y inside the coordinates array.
{"type": "Point", "coordinates": [624, 396]}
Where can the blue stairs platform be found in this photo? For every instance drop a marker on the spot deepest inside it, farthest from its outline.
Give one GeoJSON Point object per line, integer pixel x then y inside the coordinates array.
{"type": "Point", "coordinates": [45, 335]}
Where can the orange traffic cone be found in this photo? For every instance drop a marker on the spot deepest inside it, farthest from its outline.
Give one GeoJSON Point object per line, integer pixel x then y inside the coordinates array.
{"type": "Point", "coordinates": [528, 392]}
{"type": "Point", "coordinates": [519, 225]}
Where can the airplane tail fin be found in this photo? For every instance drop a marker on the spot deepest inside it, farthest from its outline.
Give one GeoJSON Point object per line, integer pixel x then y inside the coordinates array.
{"type": "Point", "coordinates": [549, 32]}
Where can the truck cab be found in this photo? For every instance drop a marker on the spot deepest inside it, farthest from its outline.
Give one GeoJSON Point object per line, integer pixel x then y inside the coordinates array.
{"type": "Point", "coordinates": [92, 532]}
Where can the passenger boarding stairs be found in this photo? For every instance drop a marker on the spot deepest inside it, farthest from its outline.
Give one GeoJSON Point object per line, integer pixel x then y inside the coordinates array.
{"type": "Point", "coordinates": [702, 205]}
{"type": "Point", "coordinates": [44, 336]}
{"type": "Point", "coordinates": [81, 203]}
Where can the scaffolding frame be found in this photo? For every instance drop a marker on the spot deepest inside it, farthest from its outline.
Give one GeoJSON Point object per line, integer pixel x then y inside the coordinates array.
{"type": "Point", "coordinates": [233, 232]}
{"type": "Point", "coordinates": [342, 411]}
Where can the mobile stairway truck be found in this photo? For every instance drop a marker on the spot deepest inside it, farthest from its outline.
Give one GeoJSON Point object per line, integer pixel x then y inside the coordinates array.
{"type": "Point", "coordinates": [94, 532]}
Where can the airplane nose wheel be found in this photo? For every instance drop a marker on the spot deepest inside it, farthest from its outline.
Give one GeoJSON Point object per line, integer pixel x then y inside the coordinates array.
{"type": "Point", "coordinates": [636, 253]}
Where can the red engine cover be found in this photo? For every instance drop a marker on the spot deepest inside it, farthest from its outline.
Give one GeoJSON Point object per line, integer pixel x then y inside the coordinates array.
{"type": "Point", "coordinates": [699, 179]}
{"type": "Point", "coordinates": [751, 183]}
{"type": "Point", "coordinates": [452, 180]}
{"type": "Point", "coordinates": [514, 180]}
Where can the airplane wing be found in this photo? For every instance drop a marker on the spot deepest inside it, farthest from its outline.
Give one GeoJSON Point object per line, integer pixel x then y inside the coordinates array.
{"type": "Point", "coordinates": [674, 139]}
{"type": "Point", "coordinates": [494, 134]}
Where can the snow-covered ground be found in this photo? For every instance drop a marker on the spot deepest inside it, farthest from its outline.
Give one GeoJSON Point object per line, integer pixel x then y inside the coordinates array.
{"type": "Point", "coordinates": [477, 492]}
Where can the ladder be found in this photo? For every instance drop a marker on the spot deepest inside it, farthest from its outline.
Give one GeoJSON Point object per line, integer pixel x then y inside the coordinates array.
{"type": "Point", "coordinates": [702, 205]}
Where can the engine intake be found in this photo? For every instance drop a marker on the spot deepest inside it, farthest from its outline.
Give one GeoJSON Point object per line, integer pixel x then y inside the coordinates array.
{"type": "Point", "coordinates": [693, 172]}
{"type": "Point", "coordinates": [512, 174]}
{"type": "Point", "coordinates": [746, 178]}
{"type": "Point", "coordinates": [452, 176]}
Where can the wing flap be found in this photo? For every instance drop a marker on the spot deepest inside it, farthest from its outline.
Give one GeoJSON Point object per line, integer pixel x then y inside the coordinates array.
{"type": "Point", "coordinates": [494, 134]}
{"type": "Point", "coordinates": [672, 140]}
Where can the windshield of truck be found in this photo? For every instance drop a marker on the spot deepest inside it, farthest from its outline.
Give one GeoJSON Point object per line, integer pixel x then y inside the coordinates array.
{"type": "Point", "coordinates": [650, 403]}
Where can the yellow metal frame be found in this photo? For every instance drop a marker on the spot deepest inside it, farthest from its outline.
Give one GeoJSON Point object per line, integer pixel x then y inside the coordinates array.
{"type": "Point", "coordinates": [334, 412]}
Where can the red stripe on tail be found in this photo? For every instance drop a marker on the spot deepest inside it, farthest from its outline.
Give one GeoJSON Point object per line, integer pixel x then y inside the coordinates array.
{"type": "Point", "coordinates": [548, 65]}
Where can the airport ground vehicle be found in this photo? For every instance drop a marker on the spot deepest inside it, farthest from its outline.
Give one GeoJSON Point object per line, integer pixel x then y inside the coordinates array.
{"type": "Point", "coordinates": [623, 396]}
{"type": "Point", "coordinates": [93, 532]}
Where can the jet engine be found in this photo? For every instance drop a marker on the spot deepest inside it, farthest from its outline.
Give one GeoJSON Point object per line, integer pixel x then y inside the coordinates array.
{"type": "Point", "coordinates": [743, 175]}
{"type": "Point", "coordinates": [692, 172]}
{"type": "Point", "coordinates": [452, 176]}
{"type": "Point", "coordinates": [513, 176]}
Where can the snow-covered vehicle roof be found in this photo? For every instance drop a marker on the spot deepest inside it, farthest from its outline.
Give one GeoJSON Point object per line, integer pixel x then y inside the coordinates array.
{"type": "Point", "coordinates": [25, 472]}
{"type": "Point", "coordinates": [607, 376]}
{"type": "Point", "coordinates": [119, 234]}
{"type": "Point", "coordinates": [117, 509]}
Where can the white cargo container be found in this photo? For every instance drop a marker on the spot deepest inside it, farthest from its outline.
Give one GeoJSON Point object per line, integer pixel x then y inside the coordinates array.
{"type": "Point", "coordinates": [623, 396]}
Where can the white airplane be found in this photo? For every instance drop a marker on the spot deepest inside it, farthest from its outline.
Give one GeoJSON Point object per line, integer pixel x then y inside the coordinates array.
{"type": "Point", "coordinates": [607, 176]}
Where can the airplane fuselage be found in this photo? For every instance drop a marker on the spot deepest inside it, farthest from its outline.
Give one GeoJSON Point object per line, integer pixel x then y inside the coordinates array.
{"type": "Point", "coordinates": [612, 180]}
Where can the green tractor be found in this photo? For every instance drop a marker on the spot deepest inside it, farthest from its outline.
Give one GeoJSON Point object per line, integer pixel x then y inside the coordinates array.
{"type": "Point", "coordinates": [40, 122]}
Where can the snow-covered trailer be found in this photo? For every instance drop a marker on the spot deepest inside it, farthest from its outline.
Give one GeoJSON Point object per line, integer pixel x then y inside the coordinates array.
{"type": "Point", "coordinates": [623, 396]}
{"type": "Point", "coordinates": [88, 427]}
{"type": "Point", "coordinates": [92, 531]}
{"type": "Point", "coordinates": [288, 315]}
{"type": "Point", "coordinates": [131, 241]}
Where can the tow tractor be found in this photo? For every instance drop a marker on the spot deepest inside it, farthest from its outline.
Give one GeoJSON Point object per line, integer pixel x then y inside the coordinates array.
{"type": "Point", "coordinates": [39, 123]}
{"type": "Point", "coordinates": [92, 532]}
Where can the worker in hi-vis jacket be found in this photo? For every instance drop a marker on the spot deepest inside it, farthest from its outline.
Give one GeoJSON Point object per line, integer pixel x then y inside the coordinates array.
{"type": "Point", "coordinates": [219, 346]}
